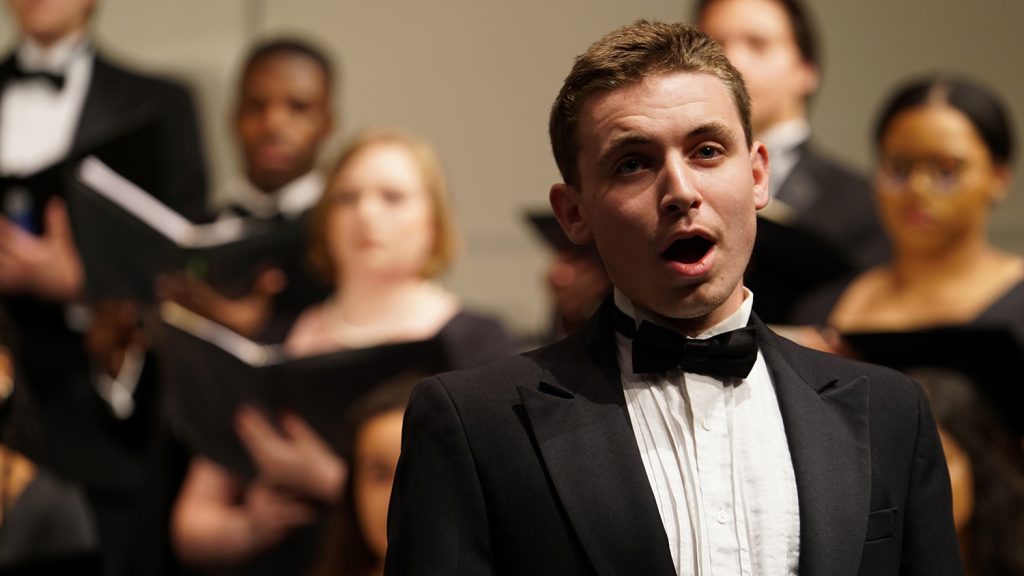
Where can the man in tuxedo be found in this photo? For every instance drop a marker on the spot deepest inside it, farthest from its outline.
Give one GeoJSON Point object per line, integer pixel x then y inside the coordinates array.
{"type": "Point", "coordinates": [674, 433]}
{"type": "Point", "coordinates": [60, 98]}
{"type": "Point", "coordinates": [774, 46]}
{"type": "Point", "coordinates": [283, 116]}
{"type": "Point", "coordinates": [99, 416]}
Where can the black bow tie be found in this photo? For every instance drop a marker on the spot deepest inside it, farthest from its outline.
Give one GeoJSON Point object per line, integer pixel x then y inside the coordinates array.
{"type": "Point", "coordinates": [657, 349]}
{"type": "Point", "coordinates": [17, 73]}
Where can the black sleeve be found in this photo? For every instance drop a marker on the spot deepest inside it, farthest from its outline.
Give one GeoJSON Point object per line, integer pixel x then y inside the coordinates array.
{"type": "Point", "coordinates": [182, 166]}
{"type": "Point", "coordinates": [437, 521]}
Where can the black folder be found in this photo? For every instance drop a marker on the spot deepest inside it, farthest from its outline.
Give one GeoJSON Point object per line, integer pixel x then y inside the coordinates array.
{"type": "Point", "coordinates": [128, 145]}
{"type": "Point", "coordinates": [126, 238]}
{"type": "Point", "coordinates": [787, 264]}
{"type": "Point", "coordinates": [547, 227]}
{"type": "Point", "coordinates": [213, 371]}
{"type": "Point", "coordinates": [991, 357]}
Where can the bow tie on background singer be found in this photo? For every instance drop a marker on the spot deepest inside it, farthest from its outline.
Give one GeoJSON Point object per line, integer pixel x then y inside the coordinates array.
{"type": "Point", "coordinates": [657, 349]}
{"type": "Point", "coordinates": [16, 73]}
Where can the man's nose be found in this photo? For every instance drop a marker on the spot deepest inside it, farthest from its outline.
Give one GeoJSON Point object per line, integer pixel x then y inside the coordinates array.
{"type": "Point", "coordinates": [678, 191]}
{"type": "Point", "coordinates": [276, 118]}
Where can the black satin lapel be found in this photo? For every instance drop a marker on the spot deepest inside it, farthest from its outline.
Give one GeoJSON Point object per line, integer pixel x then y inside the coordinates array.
{"type": "Point", "coordinates": [827, 431]}
{"type": "Point", "coordinates": [102, 106]}
{"type": "Point", "coordinates": [592, 457]}
{"type": "Point", "coordinates": [578, 416]}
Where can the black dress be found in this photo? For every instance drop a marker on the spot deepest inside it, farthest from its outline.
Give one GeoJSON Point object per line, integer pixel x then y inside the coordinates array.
{"type": "Point", "coordinates": [50, 527]}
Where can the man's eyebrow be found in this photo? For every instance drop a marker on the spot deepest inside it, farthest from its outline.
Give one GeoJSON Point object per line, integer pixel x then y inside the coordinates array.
{"type": "Point", "coordinates": [622, 140]}
{"type": "Point", "coordinates": [714, 130]}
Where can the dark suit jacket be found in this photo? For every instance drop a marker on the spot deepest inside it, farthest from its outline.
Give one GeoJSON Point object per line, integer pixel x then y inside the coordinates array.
{"type": "Point", "coordinates": [81, 441]}
{"type": "Point", "coordinates": [835, 206]}
{"type": "Point", "coordinates": [530, 466]}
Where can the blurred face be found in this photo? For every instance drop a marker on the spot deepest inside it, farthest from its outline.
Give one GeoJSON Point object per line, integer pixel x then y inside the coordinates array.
{"type": "Point", "coordinates": [962, 480]}
{"type": "Point", "coordinates": [376, 457]}
{"type": "Point", "coordinates": [758, 39]}
{"type": "Point", "coordinates": [381, 221]}
{"type": "Point", "coordinates": [283, 117]}
{"type": "Point", "coordinates": [668, 192]}
{"type": "Point", "coordinates": [47, 21]}
{"type": "Point", "coordinates": [936, 181]}
{"type": "Point", "coordinates": [6, 374]}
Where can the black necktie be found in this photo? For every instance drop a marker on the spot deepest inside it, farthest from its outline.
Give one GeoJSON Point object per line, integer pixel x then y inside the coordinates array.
{"type": "Point", "coordinates": [657, 349]}
{"type": "Point", "coordinates": [17, 73]}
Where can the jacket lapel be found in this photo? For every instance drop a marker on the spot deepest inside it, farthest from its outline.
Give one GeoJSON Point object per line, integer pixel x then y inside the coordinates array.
{"type": "Point", "coordinates": [579, 418]}
{"type": "Point", "coordinates": [102, 105]}
{"type": "Point", "coordinates": [826, 422]}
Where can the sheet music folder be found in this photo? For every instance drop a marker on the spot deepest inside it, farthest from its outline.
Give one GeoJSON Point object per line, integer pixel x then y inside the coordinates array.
{"type": "Point", "coordinates": [990, 356]}
{"type": "Point", "coordinates": [129, 145]}
{"type": "Point", "coordinates": [126, 237]}
{"type": "Point", "coordinates": [213, 371]}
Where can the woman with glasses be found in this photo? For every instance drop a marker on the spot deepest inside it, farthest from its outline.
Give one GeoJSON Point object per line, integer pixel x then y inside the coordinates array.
{"type": "Point", "coordinates": [944, 151]}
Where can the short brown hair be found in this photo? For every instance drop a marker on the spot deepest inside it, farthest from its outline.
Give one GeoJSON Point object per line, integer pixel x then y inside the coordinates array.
{"type": "Point", "coordinates": [446, 239]}
{"type": "Point", "coordinates": [626, 56]}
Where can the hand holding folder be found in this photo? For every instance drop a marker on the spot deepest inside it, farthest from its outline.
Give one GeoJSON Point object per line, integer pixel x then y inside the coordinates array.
{"type": "Point", "coordinates": [46, 265]}
{"type": "Point", "coordinates": [127, 239]}
{"type": "Point", "coordinates": [214, 372]}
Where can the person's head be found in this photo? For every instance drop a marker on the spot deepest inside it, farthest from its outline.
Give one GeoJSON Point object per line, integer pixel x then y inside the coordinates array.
{"type": "Point", "coordinates": [986, 470]}
{"type": "Point", "coordinates": [357, 538]}
{"type": "Point", "coordinates": [944, 148]}
{"type": "Point", "coordinates": [386, 211]}
{"type": "Point", "coordinates": [283, 113]}
{"type": "Point", "coordinates": [651, 133]}
{"type": "Point", "coordinates": [48, 21]}
{"type": "Point", "coordinates": [773, 44]}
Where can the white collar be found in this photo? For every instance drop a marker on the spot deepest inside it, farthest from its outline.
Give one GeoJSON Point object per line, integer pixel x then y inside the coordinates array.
{"type": "Point", "coordinates": [785, 136]}
{"type": "Point", "coordinates": [54, 59]}
{"type": "Point", "coordinates": [734, 321]}
{"type": "Point", "coordinates": [290, 200]}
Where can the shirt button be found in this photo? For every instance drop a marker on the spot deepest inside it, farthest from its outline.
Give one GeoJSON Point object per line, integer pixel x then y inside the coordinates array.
{"type": "Point", "coordinates": [722, 516]}
{"type": "Point", "coordinates": [705, 422]}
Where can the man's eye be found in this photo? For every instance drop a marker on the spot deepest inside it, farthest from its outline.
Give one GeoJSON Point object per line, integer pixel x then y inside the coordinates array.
{"type": "Point", "coordinates": [707, 152]}
{"type": "Point", "coordinates": [629, 166]}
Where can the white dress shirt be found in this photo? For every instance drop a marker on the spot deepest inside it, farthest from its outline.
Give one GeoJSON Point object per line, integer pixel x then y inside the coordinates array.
{"type": "Point", "coordinates": [290, 201]}
{"type": "Point", "coordinates": [37, 121]}
{"type": "Point", "coordinates": [716, 456]}
{"type": "Point", "coordinates": [783, 142]}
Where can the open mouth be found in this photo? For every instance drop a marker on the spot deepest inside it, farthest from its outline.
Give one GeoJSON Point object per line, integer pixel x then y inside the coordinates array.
{"type": "Point", "coordinates": [688, 250]}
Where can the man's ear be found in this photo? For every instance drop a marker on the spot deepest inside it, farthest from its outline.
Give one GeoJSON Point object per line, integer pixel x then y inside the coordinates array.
{"type": "Point", "coordinates": [810, 79]}
{"type": "Point", "coordinates": [566, 204]}
{"type": "Point", "coordinates": [761, 171]}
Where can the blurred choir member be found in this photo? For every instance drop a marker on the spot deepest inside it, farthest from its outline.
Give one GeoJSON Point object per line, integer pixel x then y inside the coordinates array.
{"type": "Point", "coordinates": [60, 97]}
{"type": "Point", "coordinates": [944, 150]}
{"type": "Point", "coordinates": [774, 45]}
{"type": "Point", "coordinates": [282, 117]}
{"type": "Point", "coordinates": [986, 468]}
{"type": "Point", "coordinates": [382, 232]}
{"type": "Point", "coordinates": [356, 539]}
{"type": "Point", "coordinates": [46, 525]}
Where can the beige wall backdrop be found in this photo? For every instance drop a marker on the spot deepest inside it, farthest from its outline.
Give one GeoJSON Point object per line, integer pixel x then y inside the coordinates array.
{"type": "Point", "coordinates": [476, 77]}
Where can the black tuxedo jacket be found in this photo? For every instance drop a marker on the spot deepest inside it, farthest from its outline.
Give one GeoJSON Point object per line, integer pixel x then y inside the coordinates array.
{"type": "Point", "coordinates": [836, 203]}
{"type": "Point", "coordinates": [530, 466]}
{"type": "Point", "coordinates": [833, 204]}
{"type": "Point", "coordinates": [180, 182]}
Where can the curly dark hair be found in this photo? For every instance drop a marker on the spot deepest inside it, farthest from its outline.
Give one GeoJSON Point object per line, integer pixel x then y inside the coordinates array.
{"type": "Point", "coordinates": [994, 542]}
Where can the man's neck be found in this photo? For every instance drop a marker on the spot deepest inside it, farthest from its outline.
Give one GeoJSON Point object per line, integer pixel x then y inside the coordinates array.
{"type": "Point", "coordinates": [51, 55]}
{"type": "Point", "coordinates": [731, 314]}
